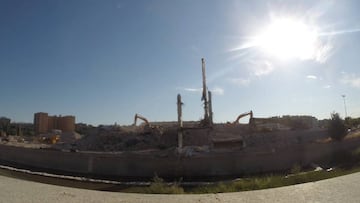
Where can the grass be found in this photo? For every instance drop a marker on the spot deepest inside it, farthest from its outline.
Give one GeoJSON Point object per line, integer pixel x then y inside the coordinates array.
{"type": "Point", "coordinates": [158, 186]}
{"type": "Point", "coordinates": [271, 181]}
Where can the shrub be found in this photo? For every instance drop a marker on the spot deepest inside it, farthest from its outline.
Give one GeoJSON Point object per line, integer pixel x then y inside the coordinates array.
{"type": "Point", "coordinates": [158, 186]}
{"type": "Point", "coordinates": [337, 128]}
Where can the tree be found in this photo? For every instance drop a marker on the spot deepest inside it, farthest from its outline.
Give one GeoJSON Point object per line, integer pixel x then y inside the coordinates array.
{"type": "Point", "coordinates": [337, 128]}
{"type": "Point", "coordinates": [352, 122]}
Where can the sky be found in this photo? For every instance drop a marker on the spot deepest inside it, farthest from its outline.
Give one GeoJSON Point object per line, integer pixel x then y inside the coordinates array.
{"type": "Point", "coordinates": [104, 61]}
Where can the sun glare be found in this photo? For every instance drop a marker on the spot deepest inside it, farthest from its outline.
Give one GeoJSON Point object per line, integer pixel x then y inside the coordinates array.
{"type": "Point", "coordinates": [288, 38]}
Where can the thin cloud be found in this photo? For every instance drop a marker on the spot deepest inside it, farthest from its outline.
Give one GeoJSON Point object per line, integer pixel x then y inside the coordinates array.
{"type": "Point", "coordinates": [323, 53]}
{"type": "Point", "coordinates": [218, 91]}
{"type": "Point", "coordinates": [263, 68]}
{"type": "Point", "coordinates": [193, 89]}
{"type": "Point", "coordinates": [246, 45]}
{"type": "Point", "coordinates": [313, 77]}
{"type": "Point", "coordinates": [327, 86]}
{"type": "Point", "coordinates": [326, 48]}
{"type": "Point", "coordinates": [340, 32]}
{"type": "Point", "coordinates": [351, 79]}
{"type": "Point", "coordinates": [240, 81]}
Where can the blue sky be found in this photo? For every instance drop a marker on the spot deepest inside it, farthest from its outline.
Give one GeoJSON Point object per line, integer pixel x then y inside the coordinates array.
{"type": "Point", "coordinates": [104, 61]}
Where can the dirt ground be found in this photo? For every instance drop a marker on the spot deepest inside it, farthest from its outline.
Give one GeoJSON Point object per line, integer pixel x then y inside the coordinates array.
{"type": "Point", "coordinates": [220, 137]}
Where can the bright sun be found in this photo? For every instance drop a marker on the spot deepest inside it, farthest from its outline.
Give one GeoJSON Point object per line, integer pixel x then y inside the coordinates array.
{"type": "Point", "coordinates": [288, 38]}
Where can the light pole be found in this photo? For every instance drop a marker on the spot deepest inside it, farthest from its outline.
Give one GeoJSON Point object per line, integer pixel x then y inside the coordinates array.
{"type": "Point", "coordinates": [343, 96]}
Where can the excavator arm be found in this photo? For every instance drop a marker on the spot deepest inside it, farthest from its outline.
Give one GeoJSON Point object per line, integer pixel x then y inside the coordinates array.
{"type": "Point", "coordinates": [250, 113]}
{"type": "Point", "coordinates": [158, 130]}
{"type": "Point", "coordinates": [137, 116]}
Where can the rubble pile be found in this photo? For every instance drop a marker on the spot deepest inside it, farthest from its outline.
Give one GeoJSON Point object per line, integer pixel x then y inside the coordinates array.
{"type": "Point", "coordinates": [122, 139]}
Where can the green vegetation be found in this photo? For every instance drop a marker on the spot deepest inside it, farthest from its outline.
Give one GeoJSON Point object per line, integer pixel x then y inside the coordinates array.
{"type": "Point", "coordinates": [348, 163]}
{"type": "Point", "coordinates": [271, 181]}
{"type": "Point", "coordinates": [337, 128]}
{"type": "Point", "coordinates": [158, 186]}
{"type": "Point", "coordinates": [352, 122]}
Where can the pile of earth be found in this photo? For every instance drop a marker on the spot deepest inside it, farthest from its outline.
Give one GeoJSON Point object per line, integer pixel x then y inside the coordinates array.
{"type": "Point", "coordinates": [125, 140]}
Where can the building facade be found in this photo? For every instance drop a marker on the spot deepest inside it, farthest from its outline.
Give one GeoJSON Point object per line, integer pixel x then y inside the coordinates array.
{"type": "Point", "coordinates": [43, 123]}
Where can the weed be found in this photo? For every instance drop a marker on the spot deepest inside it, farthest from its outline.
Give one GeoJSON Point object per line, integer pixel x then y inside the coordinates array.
{"type": "Point", "coordinates": [295, 169]}
{"type": "Point", "coordinates": [158, 186]}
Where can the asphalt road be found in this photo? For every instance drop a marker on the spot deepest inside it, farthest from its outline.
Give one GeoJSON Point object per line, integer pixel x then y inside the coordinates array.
{"type": "Point", "coordinates": [341, 189]}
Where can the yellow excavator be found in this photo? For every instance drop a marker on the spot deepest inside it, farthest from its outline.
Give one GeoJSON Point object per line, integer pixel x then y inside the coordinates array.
{"type": "Point", "coordinates": [250, 113]}
{"type": "Point", "coordinates": [148, 127]}
{"type": "Point", "coordinates": [50, 140]}
{"type": "Point", "coordinates": [137, 116]}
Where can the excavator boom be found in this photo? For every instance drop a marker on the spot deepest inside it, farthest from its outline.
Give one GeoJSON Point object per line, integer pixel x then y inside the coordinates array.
{"type": "Point", "coordinates": [137, 116]}
{"type": "Point", "coordinates": [250, 113]}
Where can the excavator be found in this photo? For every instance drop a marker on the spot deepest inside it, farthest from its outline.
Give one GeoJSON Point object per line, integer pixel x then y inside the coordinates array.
{"type": "Point", "coordinates": [137, 116]}
{"type": "Point", "coordinates": [50, 140]}
{"type": "Point", "coordinates": [148, 127]}
{"type": "Point", "coordinates": [250, 113]}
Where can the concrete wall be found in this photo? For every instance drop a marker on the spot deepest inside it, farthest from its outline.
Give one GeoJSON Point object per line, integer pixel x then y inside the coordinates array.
{"type": "Point", "coordinates": [145, 165]}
